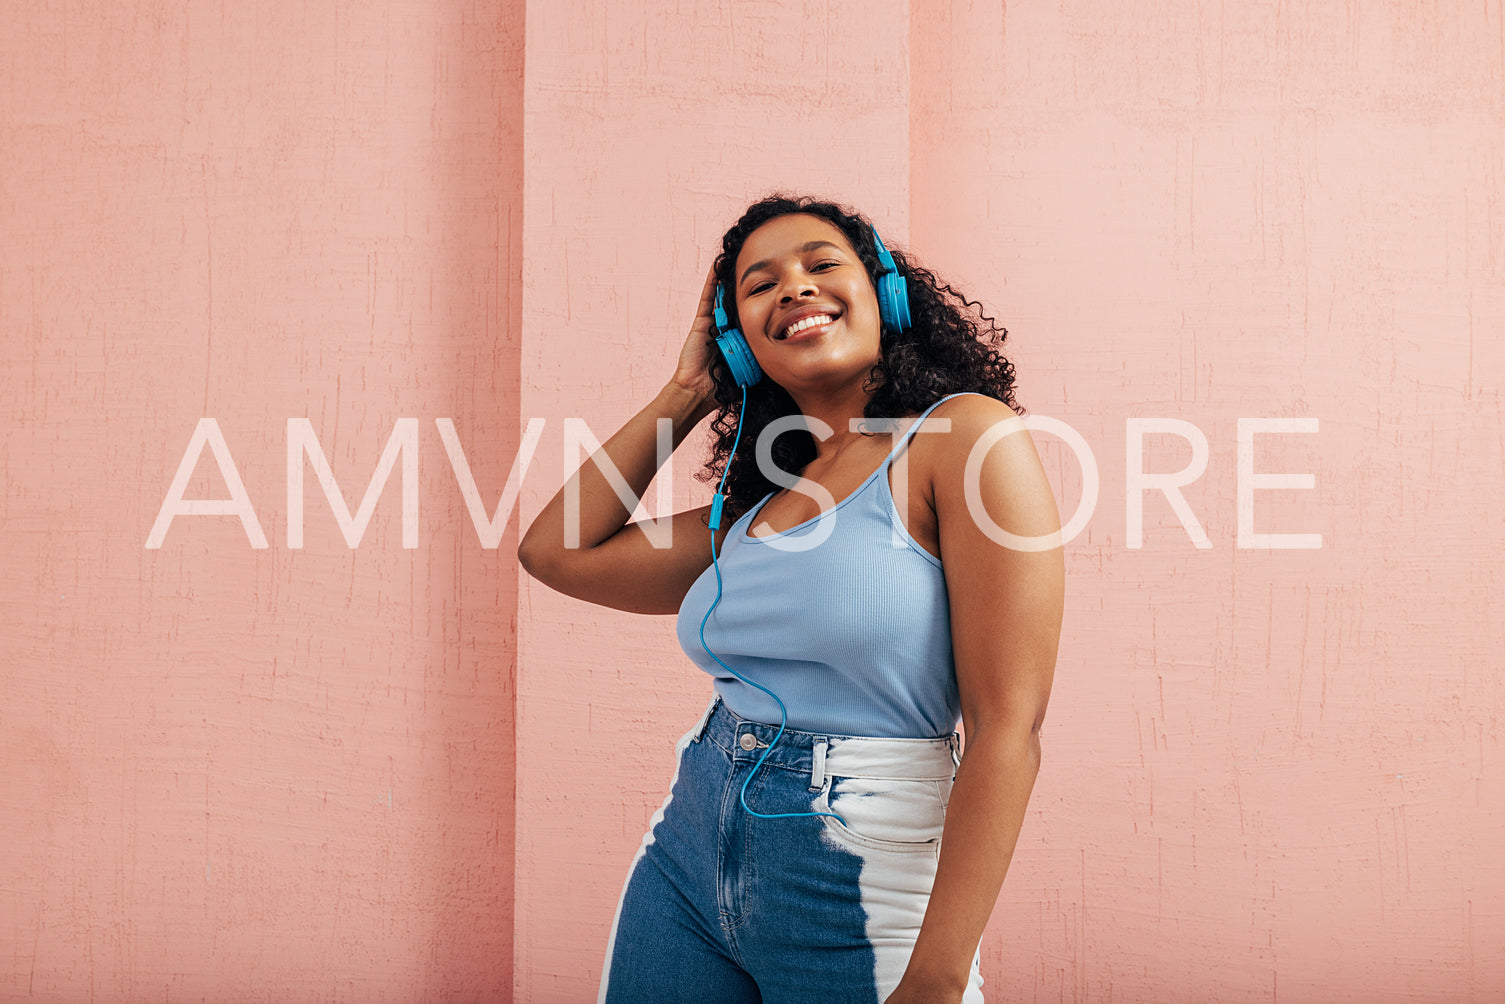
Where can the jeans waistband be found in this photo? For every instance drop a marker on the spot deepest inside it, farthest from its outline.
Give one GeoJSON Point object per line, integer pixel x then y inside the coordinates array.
{"type": "Point", "coordinates": [831, 754]}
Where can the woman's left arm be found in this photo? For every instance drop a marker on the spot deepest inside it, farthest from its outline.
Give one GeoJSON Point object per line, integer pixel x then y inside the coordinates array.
{"type": "Point", "coordinates": [1005, 575]}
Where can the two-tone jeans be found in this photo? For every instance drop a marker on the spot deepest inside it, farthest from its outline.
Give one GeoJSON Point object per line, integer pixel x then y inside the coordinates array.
{"type": "Point", "coordinates": [725, 906]}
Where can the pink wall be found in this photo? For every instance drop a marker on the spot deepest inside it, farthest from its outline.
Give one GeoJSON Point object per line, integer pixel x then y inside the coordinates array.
{"type": "Point", "coordinates": [236, 773]}
{"type": "Point", "coordinates": [1267, 773]}
{"type": "Point", "coordinates": [643, 144]}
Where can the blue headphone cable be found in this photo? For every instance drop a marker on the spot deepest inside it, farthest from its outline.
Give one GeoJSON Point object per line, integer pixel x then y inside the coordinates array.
{"type": "Point", "coordinates": [715, 524]}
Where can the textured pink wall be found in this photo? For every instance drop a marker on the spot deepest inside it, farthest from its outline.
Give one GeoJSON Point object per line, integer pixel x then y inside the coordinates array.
{"type": "Point", "coordinates": [231, 773]}
{"type": "Point", "coordinates": [643, 144]}
{"type": "Point", "coordinates": [1268, 774]}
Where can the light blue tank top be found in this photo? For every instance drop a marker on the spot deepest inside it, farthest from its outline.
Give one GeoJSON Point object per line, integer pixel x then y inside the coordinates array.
{"type": "Point", "coordinates": [844, 616]}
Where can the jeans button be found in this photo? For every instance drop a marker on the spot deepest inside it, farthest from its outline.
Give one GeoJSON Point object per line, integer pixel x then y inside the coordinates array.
{"type": "Point", "coordinates": [748, 741]}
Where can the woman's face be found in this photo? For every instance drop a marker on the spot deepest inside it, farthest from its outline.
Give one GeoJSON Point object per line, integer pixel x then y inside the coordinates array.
{"type": "Point", "coordinates": [805, 304]}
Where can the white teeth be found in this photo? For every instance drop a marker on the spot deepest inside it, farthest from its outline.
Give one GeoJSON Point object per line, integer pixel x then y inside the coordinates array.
{"type": "Point", "coordinates": [808, 322]}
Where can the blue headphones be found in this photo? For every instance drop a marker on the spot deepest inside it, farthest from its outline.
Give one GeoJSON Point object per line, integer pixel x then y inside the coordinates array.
{"type": "Point", "coordinates": [893, 309]}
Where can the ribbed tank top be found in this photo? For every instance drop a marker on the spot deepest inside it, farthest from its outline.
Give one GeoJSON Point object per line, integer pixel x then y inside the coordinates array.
{"type": "Point", "coordinates": [844, 616]}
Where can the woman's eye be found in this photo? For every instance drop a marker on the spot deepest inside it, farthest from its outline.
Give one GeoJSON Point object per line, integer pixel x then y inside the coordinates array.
{"type": "Point", "coordinates": [817, 267]}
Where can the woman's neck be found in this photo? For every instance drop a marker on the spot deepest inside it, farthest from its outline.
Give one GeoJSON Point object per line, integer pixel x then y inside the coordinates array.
{"type": "Point", "coordinates": [840, 413]}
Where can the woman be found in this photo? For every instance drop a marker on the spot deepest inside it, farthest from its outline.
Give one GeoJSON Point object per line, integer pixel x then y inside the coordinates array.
{"type": "Point", "coordinates": [824, 839]}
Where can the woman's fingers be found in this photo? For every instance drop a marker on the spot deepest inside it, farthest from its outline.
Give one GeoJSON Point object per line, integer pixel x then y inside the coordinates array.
{"type": "Point", "coordinates": [704, 315]}
{"type": "Point", "coordinates": [693, 370]}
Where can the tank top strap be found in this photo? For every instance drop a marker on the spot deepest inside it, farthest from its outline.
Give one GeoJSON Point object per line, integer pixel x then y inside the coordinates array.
{"type": "Point", "coordinates": [914, 427]}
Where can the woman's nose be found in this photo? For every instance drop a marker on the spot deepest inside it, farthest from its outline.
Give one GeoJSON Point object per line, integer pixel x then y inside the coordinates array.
{"type": "Point", "coordinates": [794, 288]}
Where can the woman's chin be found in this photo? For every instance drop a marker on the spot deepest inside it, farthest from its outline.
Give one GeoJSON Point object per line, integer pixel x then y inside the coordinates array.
{"type": "Point", "coordinates": [826, 378]}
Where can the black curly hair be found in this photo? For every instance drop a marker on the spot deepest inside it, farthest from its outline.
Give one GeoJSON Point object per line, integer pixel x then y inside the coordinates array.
{"type": "Point", "coordinates": [951, 347]}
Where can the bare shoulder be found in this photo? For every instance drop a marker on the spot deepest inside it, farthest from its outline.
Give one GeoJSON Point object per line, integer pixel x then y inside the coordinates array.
{"type": "Point", "coordinates": [987, 454]}
{"type": "Point", "coordinates": [974, 411]}
{"type": "Point", "coordinates": [977, 423]}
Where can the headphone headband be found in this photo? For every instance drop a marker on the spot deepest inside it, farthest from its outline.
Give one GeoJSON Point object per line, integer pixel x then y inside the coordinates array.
{"type": "Point", "coordinates": [885, 259]}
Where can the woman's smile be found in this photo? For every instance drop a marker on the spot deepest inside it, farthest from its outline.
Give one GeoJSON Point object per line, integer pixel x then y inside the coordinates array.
{"type": "Point", "coordinates": [807, 325]}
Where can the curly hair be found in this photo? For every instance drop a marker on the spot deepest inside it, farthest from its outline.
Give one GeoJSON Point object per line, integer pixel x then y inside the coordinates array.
{"type": "Point", "coordinates": [951, 347]}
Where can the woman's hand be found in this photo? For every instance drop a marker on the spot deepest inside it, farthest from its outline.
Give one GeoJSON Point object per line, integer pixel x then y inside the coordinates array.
{"type": "Point", "coordinates": [693, 373]}
{"type": "Point", "coordinates": [911, 991]}
{"type": "Point", "coordinates": [581, 543]}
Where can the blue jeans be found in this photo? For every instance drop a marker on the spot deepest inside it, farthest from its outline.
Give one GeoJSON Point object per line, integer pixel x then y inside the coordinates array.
{"type": "Point", "coordinates": [724, 906]}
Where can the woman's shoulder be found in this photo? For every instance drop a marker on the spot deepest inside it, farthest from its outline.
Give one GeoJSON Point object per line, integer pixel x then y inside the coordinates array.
{"type": "Point", "coordinates": [973, 414]}
{"type": "Point", "coordinates": [982, 471]}
{"type": "Point", "coordinates": [974, 426]}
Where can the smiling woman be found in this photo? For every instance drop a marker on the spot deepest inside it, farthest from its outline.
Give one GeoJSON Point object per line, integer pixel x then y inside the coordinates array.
{"type": "Point", "coordinates": [826, 837]}
{"type": "Point", "coordinates": [806, 305]}
{"type": "Point", "coordinates": [950, 347]}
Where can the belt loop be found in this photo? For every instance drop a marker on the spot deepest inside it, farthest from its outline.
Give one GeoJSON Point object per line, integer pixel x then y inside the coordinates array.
{"type": "Point", "coordinates": [705, 719]}
{"type": "Point", "coordinates": [818, 765]}
{"type": "Point", "coordinates": [956, 749]}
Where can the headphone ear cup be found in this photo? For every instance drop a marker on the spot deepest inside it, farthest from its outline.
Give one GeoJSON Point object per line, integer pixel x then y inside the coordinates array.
{"type": "Point", "coordinates": [739, 357]}
{"type": "Point", "coordinates": [893, 291]}
{"type": "Point", "coordinates": [893, 302]}
{"type": "Point", "coordinates": [734, 348]}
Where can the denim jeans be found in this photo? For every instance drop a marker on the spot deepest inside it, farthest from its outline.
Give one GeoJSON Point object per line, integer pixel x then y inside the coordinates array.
{"type": "Point", "coordinates": [724, 906]}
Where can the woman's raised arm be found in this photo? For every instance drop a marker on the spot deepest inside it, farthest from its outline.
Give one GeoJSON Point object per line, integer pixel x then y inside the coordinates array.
{"type": "Point", "coordinates": [594, 554]}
